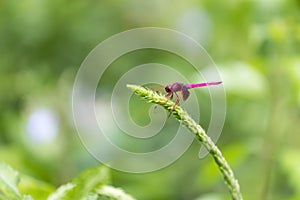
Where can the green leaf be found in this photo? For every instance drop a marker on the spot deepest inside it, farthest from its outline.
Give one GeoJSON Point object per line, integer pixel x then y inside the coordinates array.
{"type": "Point", "coordinates": [90, 185]}
{"type": "Point", "coordinates": [289, 161]}
{"type": "Point", "coordinates": [211, 196]}
{"type": "Point", "coordinates": [8, 182]}
{"type": "Point", "coordinates": [36, 188]}
{"type": "Point", "coordinates": [83, 185]}
{"type": "Point", "coordinates": [114, 193]}
{"type": "Point", "coordinates": [61, 192]}
{"type": "Point", "coordinates": [92, 196]}
{"type": "Point", "coordinates": [27, 197]}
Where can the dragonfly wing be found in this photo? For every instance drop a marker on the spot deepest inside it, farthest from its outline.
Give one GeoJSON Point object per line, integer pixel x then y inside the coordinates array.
{"type": "Point", "coordinates": [185, 93]}
{"type": "Point", "coordinates": [157, 88]}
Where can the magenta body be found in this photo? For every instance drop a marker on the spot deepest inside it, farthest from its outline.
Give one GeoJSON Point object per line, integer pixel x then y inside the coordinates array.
{"type": "Point", "coordinates": [184, 88]}
{"type": "Point", "coordinates": [202, 84]}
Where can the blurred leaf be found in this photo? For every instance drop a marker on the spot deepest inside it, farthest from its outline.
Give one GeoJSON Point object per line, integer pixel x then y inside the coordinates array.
{"type": "Point", "coordinates": [244, 80]}
{"type": "Point", "coordinates": [114, 193]}
{"type": "Point", "coordinates": [86, 182]}
{"type": "Point", "coordinates": [92, 196]}
{"type": "Point", "coordinates": [91, 179]}
{"type": "Point", "coordinates": [290, 163]}
{"type": "Point", "coordinates": [90, 185]}
{"type": "Point", "coordinates": [9, 180]}
{"type": "Point", "coordinates": [211, 197]}
{"type": "Point", "coordinates": [37, 189]}
{"type": "Point", "coordinates": [61, 192]}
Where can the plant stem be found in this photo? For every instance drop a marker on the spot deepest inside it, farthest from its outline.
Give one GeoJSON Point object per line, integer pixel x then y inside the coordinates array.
{"type": "Point", "coordinates": [153, 97]}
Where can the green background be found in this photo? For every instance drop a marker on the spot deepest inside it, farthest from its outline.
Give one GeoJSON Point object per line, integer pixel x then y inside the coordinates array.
{"type": "Point", "coordinates": [255, 44]}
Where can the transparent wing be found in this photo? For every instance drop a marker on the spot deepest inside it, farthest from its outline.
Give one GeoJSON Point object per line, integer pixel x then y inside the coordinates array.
{"type": "Point", "coordinates": [185, 93]}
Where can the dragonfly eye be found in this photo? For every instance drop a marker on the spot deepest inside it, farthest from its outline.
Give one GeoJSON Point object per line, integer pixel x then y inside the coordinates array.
{"type": "Point", "coordinates": [167, 89]}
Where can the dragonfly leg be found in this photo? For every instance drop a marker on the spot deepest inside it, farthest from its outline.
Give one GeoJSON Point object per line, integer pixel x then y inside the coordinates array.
{"type": "Point", "coordinates": [176, 103]}
{"type": "Point", "coordinates": [169, 95]}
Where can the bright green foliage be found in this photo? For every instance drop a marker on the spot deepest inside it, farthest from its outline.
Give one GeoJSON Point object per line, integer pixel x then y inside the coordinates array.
{"type": "Point", "coordinates": [36, 188]}
{"type": "Point", "coordinates": [290, 163]}
{"type": "Point", "coordinates": [90, 185]}
{"type": "Point", "coordinates": [14, 185]}
{"type": "Point", "coordinates": [9, 180]}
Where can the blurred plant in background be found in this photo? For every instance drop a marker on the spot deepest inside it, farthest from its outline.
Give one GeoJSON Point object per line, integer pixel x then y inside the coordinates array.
{"type": "Point", "coordinates": [256, 45]}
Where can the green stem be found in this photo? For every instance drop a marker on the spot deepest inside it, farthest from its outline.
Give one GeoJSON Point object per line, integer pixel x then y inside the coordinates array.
{"type": "Point", "coordinates": [152, 97]}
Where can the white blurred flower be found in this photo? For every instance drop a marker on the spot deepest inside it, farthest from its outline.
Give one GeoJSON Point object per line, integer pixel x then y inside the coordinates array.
{"type": "Point", "coordinates": [42, 125]}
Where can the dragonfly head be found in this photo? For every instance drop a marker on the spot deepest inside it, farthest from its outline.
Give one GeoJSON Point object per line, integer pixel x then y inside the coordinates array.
{"type": "Point", "coordinates": [168, 89]}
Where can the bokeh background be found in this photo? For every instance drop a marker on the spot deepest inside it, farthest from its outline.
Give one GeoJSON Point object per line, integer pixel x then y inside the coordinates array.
{"type": "Point", "coordinates": [256, 45]}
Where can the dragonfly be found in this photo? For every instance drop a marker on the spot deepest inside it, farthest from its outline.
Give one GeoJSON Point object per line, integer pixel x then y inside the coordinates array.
{"type": "Point", "coordinates": [183, 89]}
